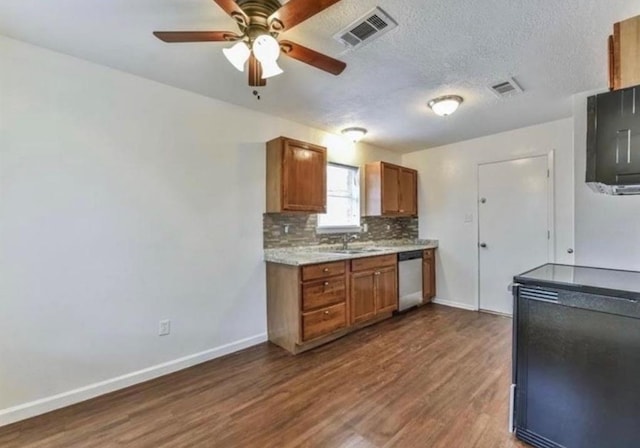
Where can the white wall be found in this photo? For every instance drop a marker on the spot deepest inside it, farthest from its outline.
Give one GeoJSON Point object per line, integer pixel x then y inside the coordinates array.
{"type": "Point", "coordinates": [123, 202]}
{"type": "Point", "coordinates": [607, 227]}
{"type": "Point", "coordinates": [449, 191]}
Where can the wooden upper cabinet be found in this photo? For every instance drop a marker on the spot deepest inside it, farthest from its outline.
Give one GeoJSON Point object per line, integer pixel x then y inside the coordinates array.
{"type": "Point", "coordinates": [624, 54]}
{"type": "Point", "coordinates": [390, 190]}
{"type": "Point", "coordinates": [391, 176]}
{"type": "Point", "coordinates": [408, 192]}
{"type": "Point", "coordinates": [296, 177]}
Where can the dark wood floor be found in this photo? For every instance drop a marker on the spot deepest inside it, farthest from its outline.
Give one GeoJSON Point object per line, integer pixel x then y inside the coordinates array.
{"type": "Point", "coordinates": [437, 377]}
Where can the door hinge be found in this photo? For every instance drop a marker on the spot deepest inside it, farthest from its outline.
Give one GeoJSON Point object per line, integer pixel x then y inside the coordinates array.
{"type": "Point", "coordinates": [548, 234]}
{"type": "Point", "coordinates": [548, 174]}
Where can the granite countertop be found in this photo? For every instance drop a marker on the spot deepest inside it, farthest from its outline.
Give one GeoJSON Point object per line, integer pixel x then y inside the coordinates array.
{"type": "Point", "coordinates": [301, 256]}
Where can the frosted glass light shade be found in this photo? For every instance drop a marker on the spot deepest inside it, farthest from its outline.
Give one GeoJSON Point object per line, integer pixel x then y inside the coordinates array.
{"type": "Point", "coordinates": [238, 55]}
{"type": "Point", "coordinates": [266, 49]}
{"type": "Point", "coordinates": [445, 105]}
{"type": "Point", "coordinates": [270, 69]}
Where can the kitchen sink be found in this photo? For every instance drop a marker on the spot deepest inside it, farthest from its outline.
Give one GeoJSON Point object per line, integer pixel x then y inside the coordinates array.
{"type": "Point", "coordinates": [354, 251]}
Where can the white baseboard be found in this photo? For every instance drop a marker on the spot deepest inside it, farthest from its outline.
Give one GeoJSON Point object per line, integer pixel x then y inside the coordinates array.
{"type": "Point", "coordinates": [48, 404]}
{"type": "Point", "coordinates": [464, 306]}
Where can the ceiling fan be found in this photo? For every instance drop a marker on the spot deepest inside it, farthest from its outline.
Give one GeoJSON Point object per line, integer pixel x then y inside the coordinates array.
{"type": "Point", "coordinates": [260, 23]}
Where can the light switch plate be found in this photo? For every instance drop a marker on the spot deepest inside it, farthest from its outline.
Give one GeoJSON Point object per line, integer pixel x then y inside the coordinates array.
{"type": "Point", "coordinates": [164, 328]}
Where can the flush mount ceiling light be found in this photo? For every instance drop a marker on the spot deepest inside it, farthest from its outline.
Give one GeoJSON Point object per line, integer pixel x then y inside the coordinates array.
{"type": "Point", "coordinates": [354, 134]}
{"type": "Point", "coordinates": [445, 105]}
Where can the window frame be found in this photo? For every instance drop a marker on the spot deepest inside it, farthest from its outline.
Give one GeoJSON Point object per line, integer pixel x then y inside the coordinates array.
{"type": "Point", "coordinates": [327, 229]}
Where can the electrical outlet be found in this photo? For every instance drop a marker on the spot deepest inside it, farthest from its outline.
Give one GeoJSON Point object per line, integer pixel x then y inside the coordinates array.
{"type": "Point", "coordinates": [286, 229]}
{"type": "Point", "coordinates": [164, 328]}
{"type": "Point", "coordinates": [365, 227]}
{"type": "Point", "coordinates": [388, 227]}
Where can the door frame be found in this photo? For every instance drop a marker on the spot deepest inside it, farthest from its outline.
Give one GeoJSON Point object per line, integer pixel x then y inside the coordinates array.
{"type": "Point", "coordinates": [551, 207]}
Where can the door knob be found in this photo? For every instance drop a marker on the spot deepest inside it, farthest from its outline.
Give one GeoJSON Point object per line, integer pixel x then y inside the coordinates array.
{"type": "Point", "coordinates": [483, 245]}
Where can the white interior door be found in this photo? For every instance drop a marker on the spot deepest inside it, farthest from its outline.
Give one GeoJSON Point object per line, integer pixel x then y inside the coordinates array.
{"type": "Point", "coordinates": [514, 226]}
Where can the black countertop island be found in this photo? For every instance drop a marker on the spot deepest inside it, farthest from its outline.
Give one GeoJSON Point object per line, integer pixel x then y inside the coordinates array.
{"type": "Point", "coordinates": [610, 282]}
{"type": "Point", "coordinates": [577, 357]}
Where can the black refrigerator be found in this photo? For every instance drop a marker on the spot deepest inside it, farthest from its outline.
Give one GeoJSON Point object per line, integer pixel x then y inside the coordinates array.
{"type": "Point", "coordinates": [576, 357]}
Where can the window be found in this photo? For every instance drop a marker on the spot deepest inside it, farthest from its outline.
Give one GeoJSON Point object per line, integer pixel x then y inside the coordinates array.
{"type": "Point", "coordinates": [343, 200]}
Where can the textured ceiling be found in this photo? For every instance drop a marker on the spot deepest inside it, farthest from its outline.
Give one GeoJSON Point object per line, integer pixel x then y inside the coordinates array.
{"type": "Point", "coordinates": [553, 48]}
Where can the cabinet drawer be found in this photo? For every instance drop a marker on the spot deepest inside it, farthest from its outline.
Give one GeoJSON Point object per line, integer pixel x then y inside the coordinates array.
{"type": "Point", "coordinates": [323, 322]}
{"type": "Point", "coordinates": [323, 293]}
{"type": "Point", "coordinates": [366, 264]}
{"type": "Point", "coordinates": [428, 254]}
{"type": "Point", "coordinates": [318, 271]}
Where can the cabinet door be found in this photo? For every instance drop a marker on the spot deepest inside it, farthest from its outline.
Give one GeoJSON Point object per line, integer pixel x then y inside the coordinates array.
{"type": "Point", "coordinates": [390, 190]}
{"type": "Point", "coordinates": [363, 301]}
{"type": "Point", "coordinates": [323, 322]}
{"type": "Point", "coordinates": [386, 289]}
{"type": "Point", "coordinates": [304, 178]}
{"type": "Point", "coordinates": [428, 276]}
{"type": "Point", "coordinates": [408, 192]}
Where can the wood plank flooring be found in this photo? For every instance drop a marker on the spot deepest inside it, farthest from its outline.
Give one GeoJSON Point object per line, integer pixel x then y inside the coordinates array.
{"type": "Point", "coordinates": [437, 377]}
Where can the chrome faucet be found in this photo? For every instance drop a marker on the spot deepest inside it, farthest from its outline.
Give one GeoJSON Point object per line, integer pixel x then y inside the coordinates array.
{"type": "Point", "coordinates": [345, 240]}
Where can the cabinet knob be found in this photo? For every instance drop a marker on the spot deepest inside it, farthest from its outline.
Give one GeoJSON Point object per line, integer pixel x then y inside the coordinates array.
{"type": "Point", "coordinates": [326, 313]}
{"type": "Point", "coordinates": [326, 283]}
{"type": "Point", "coordinates": [325, 270]}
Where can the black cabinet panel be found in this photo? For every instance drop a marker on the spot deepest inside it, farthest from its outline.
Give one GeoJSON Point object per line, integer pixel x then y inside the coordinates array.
{"type": "Point", "coordinates": [613, 146]}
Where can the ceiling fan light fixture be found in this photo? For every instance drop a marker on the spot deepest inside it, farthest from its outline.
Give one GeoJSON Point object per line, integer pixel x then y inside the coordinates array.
{"type": "Point", "coordinates": [270, 69]}
{"type": "Point", "coordinates": [445, 105]}
{"type": "Point", "coordinates": [238, 55]}
{"type": "Point", "coordinates": [354, 134]}
{"type": "Point", "coordinates": [266, 49]}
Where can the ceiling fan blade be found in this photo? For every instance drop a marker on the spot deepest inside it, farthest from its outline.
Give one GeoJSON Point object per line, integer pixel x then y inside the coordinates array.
{"type": "Point", "coordinates": [297, 11]}
{"type": "Point", "coordinates": [312, 57]}
{"type": "Point", "coordinates": [234, 10]}
{"type": "Point", "coordinates": [196, 36]}
{"type": "Point", "coordinates": [255, 73]}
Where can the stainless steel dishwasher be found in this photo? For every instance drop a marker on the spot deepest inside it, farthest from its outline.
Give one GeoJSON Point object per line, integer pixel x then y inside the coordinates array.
{"type": "Point", "coordinates": [409, 279]}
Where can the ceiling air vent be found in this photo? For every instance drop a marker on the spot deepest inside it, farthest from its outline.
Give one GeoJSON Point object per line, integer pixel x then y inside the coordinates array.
{"type": "Point", "coordinates": [506, 88]}
{"type": "Point", "coordinates": [366, 29]}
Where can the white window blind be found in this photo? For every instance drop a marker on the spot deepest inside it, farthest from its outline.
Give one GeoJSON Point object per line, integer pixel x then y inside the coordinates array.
{"type": "Point", "coordinates": [343, 199]}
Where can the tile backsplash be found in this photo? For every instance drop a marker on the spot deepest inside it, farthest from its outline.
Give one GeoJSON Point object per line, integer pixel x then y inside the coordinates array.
{"type": "Point", "coordinates": [302, 230]}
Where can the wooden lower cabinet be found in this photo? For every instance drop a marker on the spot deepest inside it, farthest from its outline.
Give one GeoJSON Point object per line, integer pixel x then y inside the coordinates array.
{"type": "Point", "coordinates": [373, 293]}
{"type": "Point", "coordinates": [311, 305]}
{"type": "Point", "coordinates": [323, 322]}
{"type": "Point", "coordinates": [363, 302]}
{"type": "Point", "coordinates": [428, 275]}
{"type": "Point", "coordinates": [386, 290]}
